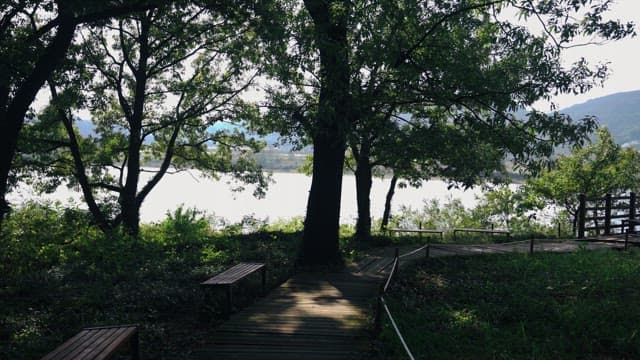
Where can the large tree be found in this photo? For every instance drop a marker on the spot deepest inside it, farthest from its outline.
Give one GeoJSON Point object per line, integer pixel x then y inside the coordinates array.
{"type": "Point", "coordinates": [463, 57]}
{"type": "Point", "coordinates": [155, 84]}
{"type": "Point", "coordinates": [35, 36]}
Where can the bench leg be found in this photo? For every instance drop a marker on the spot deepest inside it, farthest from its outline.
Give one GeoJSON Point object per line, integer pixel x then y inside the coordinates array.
{"type": "Point", "coordinates": [135, 347]}
{"type": "Point", "coordinates": [229, 299]}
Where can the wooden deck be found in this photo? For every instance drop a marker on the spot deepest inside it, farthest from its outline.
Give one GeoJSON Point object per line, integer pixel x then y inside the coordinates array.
{"type": "Point", "coordinates": [311, 316]}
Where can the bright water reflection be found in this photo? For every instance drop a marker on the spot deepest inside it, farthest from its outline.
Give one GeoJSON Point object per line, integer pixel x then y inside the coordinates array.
{"type": "Point", "coordinates": [286, 198]}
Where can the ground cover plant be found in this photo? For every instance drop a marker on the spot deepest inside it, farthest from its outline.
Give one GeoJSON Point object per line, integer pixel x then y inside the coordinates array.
{"type": "Point", "coordinates": [546, 306]}
{"type": "Point", "coordinates": [60, 274]}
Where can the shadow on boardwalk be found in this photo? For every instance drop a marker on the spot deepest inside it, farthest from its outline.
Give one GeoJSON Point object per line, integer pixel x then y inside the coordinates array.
{"type": "Point", "coordinates": [311, 316]}
{"type": "Point", "coordinates": [327, 315]}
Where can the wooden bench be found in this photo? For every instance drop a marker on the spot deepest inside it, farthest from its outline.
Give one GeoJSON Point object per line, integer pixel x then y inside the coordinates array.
{"type": "Point", "coordinates": [486, 231]}
{"type": "Point", "coordinates": [98, 343]}
{"type": "Point", "coordinates": [234, 274]}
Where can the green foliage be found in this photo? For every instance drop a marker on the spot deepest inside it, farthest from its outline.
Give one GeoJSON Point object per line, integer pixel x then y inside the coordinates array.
{"type": "Point", "coordinates": [499, 207]}
{"type": "Point", "coordinates": [434, 215]}
{"type": "Point", "coordinates": [594, 170]}
{"type": "Point", "coordinates": [307, 166]}
{"type": "Point", "coordinates": [547, 306]}
{"type": "Point", "coordinates": [35, 237]}
{"type": "Point", "coordinates": [293, 225]}
{"type": "Point", "coordinates": [514, 210]}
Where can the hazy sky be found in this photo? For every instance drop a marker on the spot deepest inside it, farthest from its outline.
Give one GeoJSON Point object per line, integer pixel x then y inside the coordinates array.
{"type": "Point", "coordinates": [623, 56]}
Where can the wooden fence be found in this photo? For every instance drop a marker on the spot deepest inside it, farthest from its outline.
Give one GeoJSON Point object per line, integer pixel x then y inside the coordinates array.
{"type": "Point", "coordinates": [605, 215]}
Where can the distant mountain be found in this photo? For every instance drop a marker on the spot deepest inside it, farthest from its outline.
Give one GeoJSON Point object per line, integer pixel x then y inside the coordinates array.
{"type": "Point", "coordinates": [619, 112]}
{"type": "Point", "coordinates": [87, 128]}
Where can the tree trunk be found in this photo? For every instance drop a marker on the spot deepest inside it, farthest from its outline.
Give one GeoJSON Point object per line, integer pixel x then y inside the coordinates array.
{"type": "Point", "coordinates": [321, 228]}
{"type": "Point", "coordinates": [364, 181]}
{"type": "Point", "coordinates": [14, 111]}
{"type": "Point", "coordinates": [387, 203]}
{"type": "Point", "coordinates": [129, 202]}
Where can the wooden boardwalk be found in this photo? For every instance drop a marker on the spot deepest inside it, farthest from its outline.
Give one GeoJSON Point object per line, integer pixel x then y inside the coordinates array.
{"type": "Point", "coordinates": [328, 316]}
{"type": "Point", "coordinates": [311, 316]}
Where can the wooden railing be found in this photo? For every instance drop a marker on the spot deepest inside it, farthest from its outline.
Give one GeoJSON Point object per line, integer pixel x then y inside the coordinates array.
{"type": "Point", "coordinates": [605, 215]}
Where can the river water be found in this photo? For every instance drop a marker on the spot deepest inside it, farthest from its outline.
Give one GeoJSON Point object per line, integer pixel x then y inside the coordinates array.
{"type": "Point", "coordinates": [285, 198]}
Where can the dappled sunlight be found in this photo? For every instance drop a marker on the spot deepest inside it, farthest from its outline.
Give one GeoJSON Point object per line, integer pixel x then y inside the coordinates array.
{"type": "Point", "coordinates": [324, 314]}
{"type": "Point", "coordinates": [464, 317]}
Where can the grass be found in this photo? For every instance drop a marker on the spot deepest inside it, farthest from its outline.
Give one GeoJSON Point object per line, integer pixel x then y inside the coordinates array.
{"type": "Point", "coordinates": [546, 306]}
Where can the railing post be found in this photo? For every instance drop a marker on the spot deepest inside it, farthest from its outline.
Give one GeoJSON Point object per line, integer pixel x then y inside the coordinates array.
{"type": "Point", "coordinates": [607, 214]}
{"type": "Point", "coordinates": [420, 232]}
{"type": "Point", "coordinates": [581, 215]}
{"type": "Point", "coordinates": [531, 246]}
{"type": "Point", "coordinates": [426, 250]}
{"type": "Point", "coordinates": [626, 237]}
{"type": "Point", "coordinates": [377, 324]}
{"type": "Point", "coordinates": [396, 261]}
{"type": "Point", "coordinates": [632, 211]}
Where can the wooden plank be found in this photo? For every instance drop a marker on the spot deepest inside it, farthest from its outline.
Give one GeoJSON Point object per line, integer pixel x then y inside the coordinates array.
{"type": "Point", "coordinates": [347, 334]}
{"type": "Point", "coordinates": [299, 328]}
{"type": "Point", "coordinates": [258, 352]}
{"type": "Point", "coordinates": [280, 339]}
{"type": "Point", "coordinates": [103, 340]}
{"type": "Point", "coordinates": [67, 346]}
{"type": "Point", "coordinates": [427, 231]}
{"type": "Point", "coordinates": [122, 337]}
{"type": "Point", "coordinates": [234, 274]}
{"type": "Point", "coordinates": [265, 318]}
{"type": "Point", "coordinates": [70, 353]}
{"type": "Point", "coordinates": [93, 343]}
{"type": "Point", "coordinates": [260, 349]}
{"type": "Point", "coordinates": [496, 231]}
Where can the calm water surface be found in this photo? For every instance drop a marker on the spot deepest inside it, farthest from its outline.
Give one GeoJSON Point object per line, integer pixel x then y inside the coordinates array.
{"type": "Point", "coordinates": [286, 198]}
